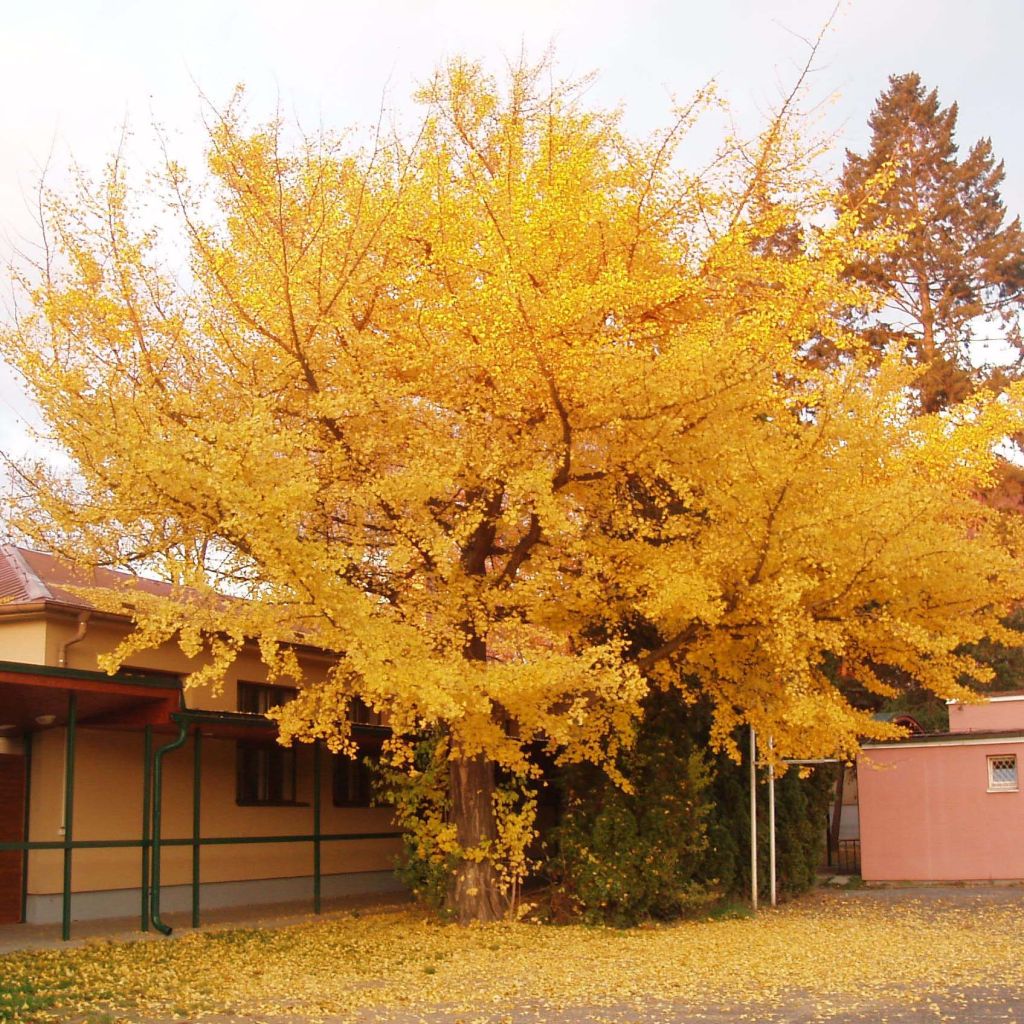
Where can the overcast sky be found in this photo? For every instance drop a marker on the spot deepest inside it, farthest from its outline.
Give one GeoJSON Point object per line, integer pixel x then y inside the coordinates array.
{"type": "Point", "coordinates": [73, 71]}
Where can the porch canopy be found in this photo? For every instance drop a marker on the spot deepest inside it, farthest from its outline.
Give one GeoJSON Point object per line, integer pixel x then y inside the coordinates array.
{"type": "Point", "coordinates": [34, 697]}
{"type": "Point", "coordinates": [37, 697]}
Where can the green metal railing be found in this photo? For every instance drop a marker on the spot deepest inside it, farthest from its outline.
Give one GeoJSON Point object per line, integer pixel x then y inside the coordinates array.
{"type": "Point", "coordinates": [26, 822]}
{"type": "Point", "coordinates": [69, 811]}
{"type": "Point", "coordinates": [147, 793]}
{"type": "Point", "coordinates": [197, 778]}
{"type": "Point", "coordinates": [151, 841]}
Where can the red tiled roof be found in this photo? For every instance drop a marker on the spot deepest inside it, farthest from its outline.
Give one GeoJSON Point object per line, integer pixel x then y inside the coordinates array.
{"type": "Point", "coordinates": [28, 577]}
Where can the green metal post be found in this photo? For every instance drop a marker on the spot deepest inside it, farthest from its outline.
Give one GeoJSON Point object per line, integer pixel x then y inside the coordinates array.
{"type": "Point", "coordinates": [69, 813]}
{"type": "Point", "coordinates": [27, 743]}
{"type": "Point", "coordinates": [158, 767]}
{"type": "Point", "coordinates": [316, 826]}
{"type": "Point", "coordinates": [197, 776]}
{"type": "Point", "coordinates": [147, 793]}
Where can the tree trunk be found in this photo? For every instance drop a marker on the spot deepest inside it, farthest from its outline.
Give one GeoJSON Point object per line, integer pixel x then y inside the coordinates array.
{"type": "Point", "coordinates": [474, 893]}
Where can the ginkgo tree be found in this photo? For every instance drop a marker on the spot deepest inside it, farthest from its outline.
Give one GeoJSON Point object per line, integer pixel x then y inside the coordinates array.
{"type": "Point", "coordinates": [512, 414]}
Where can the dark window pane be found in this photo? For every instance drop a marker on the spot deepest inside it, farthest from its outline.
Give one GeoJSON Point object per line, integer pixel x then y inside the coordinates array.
{"type": "Point", "coordinates": [259, 698]}
{"type": "Point", "coordinates": [359, 713]}
{"type": "Point", "coordinates": [266, 774]}
{"type": "Point", "coordinates": [352, 782]}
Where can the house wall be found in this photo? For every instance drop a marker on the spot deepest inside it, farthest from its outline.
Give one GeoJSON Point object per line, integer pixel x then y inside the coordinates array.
{"type": "Point", "coordinates": [23, 640]}
{"type": "Point", "coordinates": [102, 637]}
{"type": "Point", "coordinates": [108, 805]}
{"type": "Point", "coordinates": [999, 712]}
{"type": "Point", "coordinates": [926, 813]}
{"type": "Point", "coordinates": [108, 793]}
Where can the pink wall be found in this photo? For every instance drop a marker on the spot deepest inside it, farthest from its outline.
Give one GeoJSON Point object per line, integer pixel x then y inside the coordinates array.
{"type": "Point", "coordinates": [926, 813]}
{"type": "Point", "coordinates": [1003, 712]}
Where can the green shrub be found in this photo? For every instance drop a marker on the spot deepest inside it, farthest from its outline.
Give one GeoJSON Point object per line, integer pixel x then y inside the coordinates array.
{"type": "Point", "coordinates": [682, 835]}
{"type": "Point", "coordinates": [420, 801]}
{"type": "Point", "coordinates": [622, 857]}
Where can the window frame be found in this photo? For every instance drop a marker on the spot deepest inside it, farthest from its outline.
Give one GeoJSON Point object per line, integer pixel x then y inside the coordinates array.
{"type": "Point", "coordinates": [343, 765]}
{"type": "Point", "coordinates": [280, 770]}
{"type": "Point", "coordinates": [360, 713]}
{"type": "Point", "coordinates": [283, 693]}
{"type": "Point", "coordinates": [1003, 787]}
{"type": "Point", "coordinates": [276, 773]}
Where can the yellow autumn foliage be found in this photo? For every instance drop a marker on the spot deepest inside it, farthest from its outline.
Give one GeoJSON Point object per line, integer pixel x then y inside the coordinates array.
{"type": "Point", "coordinates": [842, 957]}
{"type": "Point", "coordinates": [513, 414]}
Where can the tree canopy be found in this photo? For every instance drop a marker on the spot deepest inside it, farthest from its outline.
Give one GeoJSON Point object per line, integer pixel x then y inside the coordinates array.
{"type": "Point", "coordinates": [514, 415]}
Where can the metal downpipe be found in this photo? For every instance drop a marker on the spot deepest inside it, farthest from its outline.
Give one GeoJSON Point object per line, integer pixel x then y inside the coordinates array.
{"type": "Point", "coordinates": [158, 765]}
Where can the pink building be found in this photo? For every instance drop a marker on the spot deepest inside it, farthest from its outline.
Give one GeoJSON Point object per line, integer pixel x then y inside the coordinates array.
{"type": "Point", "coordinates": [947, 807]}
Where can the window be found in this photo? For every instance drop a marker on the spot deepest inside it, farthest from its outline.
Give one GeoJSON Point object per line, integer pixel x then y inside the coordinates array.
{"type": "Point", "coordinates": [265, 769]}
{"type": "Point", "coordinates": [353, 782]}
{"type": "Point", "coordinates": [360, 713]}
{"type": "Point", "coordinates": [259, 698]}
{"type": "Point", "coordinates": [266, 773]}
{"type": "Point", "coordinates": [1002, 773]}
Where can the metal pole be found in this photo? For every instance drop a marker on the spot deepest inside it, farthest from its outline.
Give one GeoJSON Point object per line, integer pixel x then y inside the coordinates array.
{"type": "Point", "coordinates": [69, 813]}
{"type": "Point", "coordinates": [771, 821]}
{"type": "Point", "coordinates": [147, 793]}
{"type": "Point", "coordinates": [25, 822]}
{"type": "Point", "coordinates": [158, 784]}
{"type": "Point", "coordinates": [197, 778]}
{"type": "Point", "coordinates": [316, 826]}
{"type": "Point", "coordinates": [753, 819]}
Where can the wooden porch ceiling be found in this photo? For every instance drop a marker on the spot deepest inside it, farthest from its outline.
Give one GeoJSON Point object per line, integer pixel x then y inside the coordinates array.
{"type": "Point", "coordinates": [36, 697]}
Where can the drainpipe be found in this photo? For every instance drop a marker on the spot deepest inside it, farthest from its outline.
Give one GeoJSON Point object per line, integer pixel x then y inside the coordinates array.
{"type": "Point", "coordinates": [83, 625]}
{"type": "Point", "coordinates": [158, 764]}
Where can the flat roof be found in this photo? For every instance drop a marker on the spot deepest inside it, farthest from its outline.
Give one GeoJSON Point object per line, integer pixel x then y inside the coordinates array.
{"type": "Point", "coordinates": [943, 739]}
{"type": "Point", "coordinates": [135, 678]}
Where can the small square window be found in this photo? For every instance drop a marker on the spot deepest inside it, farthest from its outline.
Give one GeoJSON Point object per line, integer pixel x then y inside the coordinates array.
{"type": "Point", "coordinates": [1002, 773]}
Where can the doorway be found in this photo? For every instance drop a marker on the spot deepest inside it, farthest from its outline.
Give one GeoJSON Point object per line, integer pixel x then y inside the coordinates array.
{"type": "Point", "coordinates": [12, 818]}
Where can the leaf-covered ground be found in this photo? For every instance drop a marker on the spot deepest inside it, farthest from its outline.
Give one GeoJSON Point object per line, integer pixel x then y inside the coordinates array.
{"type": "Point", "coordinates": [828, 957]}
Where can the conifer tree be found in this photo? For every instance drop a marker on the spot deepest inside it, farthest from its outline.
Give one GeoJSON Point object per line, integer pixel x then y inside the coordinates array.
{"type": "Point", "coordinates": [958, 275]}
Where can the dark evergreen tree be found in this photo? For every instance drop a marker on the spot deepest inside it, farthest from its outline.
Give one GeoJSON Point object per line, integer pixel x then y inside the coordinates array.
{"type": "Point", "coordinates": [681, 838]}
{"type": "Point", "coordinates": [624, 856]}
{"type": "Point", "coordinates": [959, 274]}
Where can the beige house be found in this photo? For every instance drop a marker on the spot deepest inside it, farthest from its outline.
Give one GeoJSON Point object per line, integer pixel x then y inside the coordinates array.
{"type": "Point", "coordinates": [128, 795]}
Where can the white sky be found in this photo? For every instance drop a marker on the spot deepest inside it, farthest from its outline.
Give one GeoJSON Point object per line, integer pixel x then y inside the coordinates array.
{"type": "Point", "coordinates": [72, 71]}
